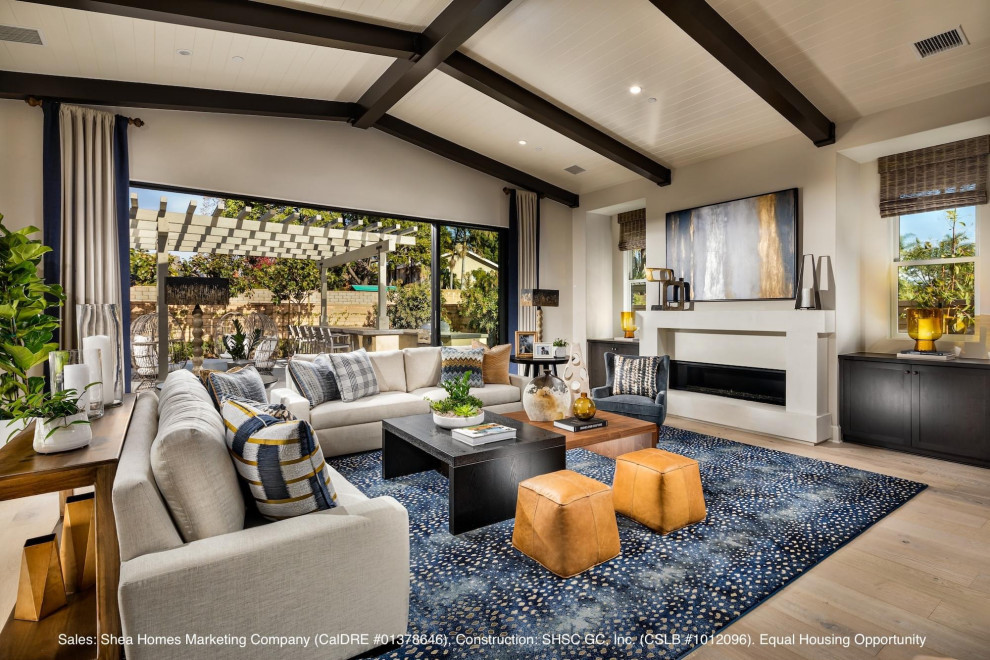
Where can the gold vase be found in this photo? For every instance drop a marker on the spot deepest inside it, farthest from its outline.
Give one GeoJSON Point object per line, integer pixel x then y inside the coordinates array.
{"type": "Point", "coordinates": [584, 408]}
{"type": "Point", "coordinates": [924, 327]}
{"type": "Point", "coordinates": [629, 324]}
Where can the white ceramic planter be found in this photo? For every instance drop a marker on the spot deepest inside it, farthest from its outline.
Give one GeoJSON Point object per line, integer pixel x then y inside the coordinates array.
{"type": "Point", "coordinates": [560, 351]}
{"type": "Point", "coordinates": [65, 437]}
{"type": "Point", "coordinates": [8, 429]}
{"type": "Point", "coordinates": [458, 422]}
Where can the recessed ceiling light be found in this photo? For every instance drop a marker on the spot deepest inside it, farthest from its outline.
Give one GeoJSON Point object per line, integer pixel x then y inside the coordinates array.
{"type": "Point", "coordinates": [652, 99]}
{"type": "Point", "coordinates": [635, 89]}
{"type": "Point", "coordinates": [522, 142]}
{"type": "Point", "coordinates": [184, 51]}
{"type": "Point", "coordinates": [237, 58]}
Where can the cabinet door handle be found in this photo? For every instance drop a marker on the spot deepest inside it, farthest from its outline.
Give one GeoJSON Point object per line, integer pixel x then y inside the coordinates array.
{"type": "Point", "coordinates": [915, 373]}
{"type": "Point", "coordinates": [907, 371]}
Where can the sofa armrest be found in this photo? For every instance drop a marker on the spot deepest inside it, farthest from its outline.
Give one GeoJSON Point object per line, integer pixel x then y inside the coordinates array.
{"type": "Point", "coordinates": [345, 570]}
{"type": "Point", "coordinates": [602, 392]}
{"type": "Point", "coordinates": [519, 381]}
{"type": "Point", "coordinates": [297, 405]}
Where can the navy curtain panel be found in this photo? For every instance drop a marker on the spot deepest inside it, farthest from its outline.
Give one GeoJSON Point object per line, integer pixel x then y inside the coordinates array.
{"type": "Point", "coordinates": [122, 183]}
{"type": "Point", "coordinates": [52, 197]}
{"type": "Point", "coordinates": [512, 273]}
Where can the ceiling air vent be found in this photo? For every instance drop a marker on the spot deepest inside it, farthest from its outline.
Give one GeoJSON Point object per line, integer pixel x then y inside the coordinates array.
{"type": "Point", "coordinates": [21, 35]}
{"type": "Point", "coordinates": [940, 43]}
{"type": "Point", "coordinates": [575, 169]}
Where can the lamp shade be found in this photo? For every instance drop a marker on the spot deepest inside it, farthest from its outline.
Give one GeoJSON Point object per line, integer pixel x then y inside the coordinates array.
{"type": "Point", "coordinates": [540, 298]}
{"type": "Point", "coordinates": [197, 290]}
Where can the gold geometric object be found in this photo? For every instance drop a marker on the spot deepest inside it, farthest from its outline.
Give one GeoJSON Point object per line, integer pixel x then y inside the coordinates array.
{"type": "Point", "coordinates": [40, 590]}
{"type": "Point", "coordinates": [78, 547]}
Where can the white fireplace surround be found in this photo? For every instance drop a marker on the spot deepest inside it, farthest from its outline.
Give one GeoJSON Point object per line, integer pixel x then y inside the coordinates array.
{"type": "Point", "coordinates": [804, 335]}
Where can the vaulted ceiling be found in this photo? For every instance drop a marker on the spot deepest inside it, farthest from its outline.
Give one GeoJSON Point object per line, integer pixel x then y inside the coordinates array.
{"type": "Point", "coordinates": [849, 58]}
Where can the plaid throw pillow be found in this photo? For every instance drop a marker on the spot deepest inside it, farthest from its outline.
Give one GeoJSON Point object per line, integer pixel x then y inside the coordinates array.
{"type": "Point", "coordinates": [314, 380]}
{"type": "Point", "coordinates": [355, 375]}
{"type": "Point", "coordinates": [636, 375]}
{"type": "Point", "coordinates": [281, 462]}
{"type": "Point", "coordinates": [455, 362]}
{"type": "Point", "coordinates": [244, 384]}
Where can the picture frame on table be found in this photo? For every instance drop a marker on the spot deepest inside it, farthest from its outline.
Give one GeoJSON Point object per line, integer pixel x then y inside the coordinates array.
{"type": "Point", "coordinates": [543, 350]}
{"type": "Point", "coordinates": [525, 340]}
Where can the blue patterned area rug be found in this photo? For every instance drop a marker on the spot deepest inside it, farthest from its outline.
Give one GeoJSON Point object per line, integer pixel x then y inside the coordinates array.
{"type": "Point", "coordinates": [771, 517]}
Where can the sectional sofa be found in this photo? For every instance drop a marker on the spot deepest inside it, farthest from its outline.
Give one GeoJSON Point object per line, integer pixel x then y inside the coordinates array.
{"type": "Point", "coordinates": [406, 379]}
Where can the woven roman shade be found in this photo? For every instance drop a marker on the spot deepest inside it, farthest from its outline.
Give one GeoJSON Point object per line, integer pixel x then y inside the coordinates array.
{"type": "Point", "coordinates": [935, 178]}
{"type": "Point", "coordinates": [632, 230]}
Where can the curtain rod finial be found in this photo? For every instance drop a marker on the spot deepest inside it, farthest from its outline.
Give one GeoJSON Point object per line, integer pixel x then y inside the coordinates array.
{"type": "Point", "coordinates": [33, 101]}
{"type": "Point", "coordinates": [136, 121]}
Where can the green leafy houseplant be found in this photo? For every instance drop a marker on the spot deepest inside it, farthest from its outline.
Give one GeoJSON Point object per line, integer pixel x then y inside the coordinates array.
{"type": "Point", "coordinates": [25, 329]}
{"type": "Point", "coordinates": [50, 408]}
{"type": "Point", "coordinates": [239, 344]}
{"type": "Point", "coordinates": [458, 402]}
{"type": "Point", "coordinates": [560, 343]}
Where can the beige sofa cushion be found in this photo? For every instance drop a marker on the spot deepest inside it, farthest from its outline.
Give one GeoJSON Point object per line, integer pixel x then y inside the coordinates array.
{"type": "Point", "coordinates": [390, 370]}
{"type": "Point", "coordinates": [490, 395]}
{"type": "Point", "coordinates": [422, 367]}
{"type": "Point", "coordinates": [190, 462]}
{"type": "Point", "coordinates": [373, 408]}
{"type": "Point", "coordinates": [143, 521]}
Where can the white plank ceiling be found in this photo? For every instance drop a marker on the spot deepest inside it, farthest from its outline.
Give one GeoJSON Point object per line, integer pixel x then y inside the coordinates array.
{"type": "Point", "coordinates": [850, 57]}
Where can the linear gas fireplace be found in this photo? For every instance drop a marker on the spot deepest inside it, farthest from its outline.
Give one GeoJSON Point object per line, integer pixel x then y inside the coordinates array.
{"type": "Point", "coordinates": [746, 383]}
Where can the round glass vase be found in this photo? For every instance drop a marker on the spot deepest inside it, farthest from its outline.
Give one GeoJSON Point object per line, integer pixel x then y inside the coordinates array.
{"type": "Point", "coordinates": [584, 408]}
{"type": "Point", "coordinates": [546, 398]}
{"type": "Point", "coordinates": [924, 327]}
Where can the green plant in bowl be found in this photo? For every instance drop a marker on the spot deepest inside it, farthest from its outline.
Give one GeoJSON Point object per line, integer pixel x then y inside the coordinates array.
{"type": "Point", "coordinates": [459, 401]}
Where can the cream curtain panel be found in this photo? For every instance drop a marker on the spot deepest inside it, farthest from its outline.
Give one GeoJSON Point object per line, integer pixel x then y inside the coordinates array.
{"type": "Point", "coordinates": [527, 212]}
{"type": "Point", "coordinates": [90, 264]}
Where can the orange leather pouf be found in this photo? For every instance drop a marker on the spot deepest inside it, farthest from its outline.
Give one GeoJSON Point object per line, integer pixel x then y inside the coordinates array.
{"type": "Point", "coordinates": [566, 522]}
{"type": "Point", "coordinates": [659, 489]}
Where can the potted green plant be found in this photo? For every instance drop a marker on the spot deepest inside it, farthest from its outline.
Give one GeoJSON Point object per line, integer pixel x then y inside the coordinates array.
{"type": "Point", "coordinates": [59, 423]}
{"type": "Point", "coordinates": [458, 409]}
{"type": "Point", "coordinates": [239, 344]}
{"type": "Point", "coordinates": [25, 329]}
{"type": "Point", "coordinates": [559, 347]}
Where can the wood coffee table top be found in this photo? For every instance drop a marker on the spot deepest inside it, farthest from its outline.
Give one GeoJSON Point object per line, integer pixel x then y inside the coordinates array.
{"type": "Point", "coordinates": [618, 427]}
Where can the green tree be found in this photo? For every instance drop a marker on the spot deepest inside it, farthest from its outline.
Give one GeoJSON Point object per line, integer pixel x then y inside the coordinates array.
{"type": "Point", "coordinates": [409, 305]}
{"type": "Point", "coordinates": [291, 281]}
{"type": "Point", "coordinates": [479, 303]}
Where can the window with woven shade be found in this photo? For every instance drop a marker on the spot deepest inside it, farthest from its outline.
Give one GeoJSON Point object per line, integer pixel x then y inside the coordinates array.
{"type": "Point", "coordinates": [632, 244]}
{"type": "Point", "coordinates": [632, 230]}
{"type": "Point", "coordinates": [935, 178]}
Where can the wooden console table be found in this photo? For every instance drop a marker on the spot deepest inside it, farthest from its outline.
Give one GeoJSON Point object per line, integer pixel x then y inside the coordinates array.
{"type": "Point", "coordinates": [23, 473]}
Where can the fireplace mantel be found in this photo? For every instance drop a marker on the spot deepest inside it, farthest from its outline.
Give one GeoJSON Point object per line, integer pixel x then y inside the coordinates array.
{"type": "Point", "coordinates": [804, 338]}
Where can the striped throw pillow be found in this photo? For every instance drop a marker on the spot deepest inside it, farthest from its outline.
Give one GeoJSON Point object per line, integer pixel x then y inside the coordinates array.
{"type": "Point", "coordinates": [455, 362]}
{"type": "Point", "coordinates": [314, 380]}
{"type": "Point", "coordinates": [244, 384]}
{"type": "Point", "coordinates": [281, 462]}
{"type": "Point", "coordinates": [355, 376]}
{"type": "Point", "coordinates": [636, 375]}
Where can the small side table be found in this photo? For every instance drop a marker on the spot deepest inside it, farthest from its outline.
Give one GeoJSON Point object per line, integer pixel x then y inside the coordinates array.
{"type": "Point", "coordinates": [23, 473]}
{"type": "Point", "coordinates": [548, 364]}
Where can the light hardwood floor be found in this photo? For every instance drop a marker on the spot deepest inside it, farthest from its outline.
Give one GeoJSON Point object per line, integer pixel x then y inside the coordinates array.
{"type": "Point", "coordinates": [923, 570]}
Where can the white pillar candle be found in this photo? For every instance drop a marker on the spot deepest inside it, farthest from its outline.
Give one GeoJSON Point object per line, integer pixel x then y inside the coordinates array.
{"type": "Point", "coordinates": [102, 342]}
{"type": "Point", "coordinates": [76, 377]}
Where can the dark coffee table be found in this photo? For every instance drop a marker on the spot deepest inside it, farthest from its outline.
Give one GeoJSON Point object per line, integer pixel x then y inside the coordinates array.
{"type": "Point", "coordinates": [483, 480]}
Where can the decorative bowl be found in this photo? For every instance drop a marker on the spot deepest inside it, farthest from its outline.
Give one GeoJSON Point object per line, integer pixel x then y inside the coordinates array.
{"type": "Point", "coordinates": [458, 422]}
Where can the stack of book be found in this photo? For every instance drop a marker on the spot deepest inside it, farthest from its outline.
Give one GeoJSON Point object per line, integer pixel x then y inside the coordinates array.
{"type": "Point", "coordinates": [575, 425]}
{"type": "Point", "coordinates": [927, 355]}
{"type": "Point", "coordinates": [483, 434]}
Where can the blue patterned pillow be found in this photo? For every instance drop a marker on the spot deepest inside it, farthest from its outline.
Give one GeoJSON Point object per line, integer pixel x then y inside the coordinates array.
{"type": "Point", "coordinates": [281, 461]}
{"type": "Point", "coordinates": [355, 376]}
{"type": "Point", "coordinates": [636, 375]}
{"type": "Point", "coordinates": [314, 380]}
{"type": "Point", "coordinates": [244, 384]}
{"type": "Point", "coordinates": [455, 362]}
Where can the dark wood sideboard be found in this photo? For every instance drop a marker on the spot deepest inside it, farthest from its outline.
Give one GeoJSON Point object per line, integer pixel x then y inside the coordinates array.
{"type": "Point", "coordinates": [939, 409]}
{"type": "Point", "coordinates": [597, 348]}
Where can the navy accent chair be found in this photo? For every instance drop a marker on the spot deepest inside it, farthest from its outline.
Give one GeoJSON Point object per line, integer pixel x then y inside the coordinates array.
{"type": "Point", "coordinates": [631, 405]}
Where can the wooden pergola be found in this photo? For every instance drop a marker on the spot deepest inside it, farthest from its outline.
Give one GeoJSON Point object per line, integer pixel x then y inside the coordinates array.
{"type": "Point", "coordinates": [162, 231]}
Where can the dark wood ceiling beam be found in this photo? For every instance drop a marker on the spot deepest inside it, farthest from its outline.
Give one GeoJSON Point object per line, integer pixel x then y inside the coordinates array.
{"type": "Point", "coordinates": [455, 25]}
{"type": "Point", "coordinates": [703, 24]}
{"type": "Point", "coordinates": [477, 75]}
{"type": "Point", "coordinates": [142, 95]}
{"type": "Point", "coordinates": [261, 20]}
{"type": "Point", "coordinates": [426, 140]}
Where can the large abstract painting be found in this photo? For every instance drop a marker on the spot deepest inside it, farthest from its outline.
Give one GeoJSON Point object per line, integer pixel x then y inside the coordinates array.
{"type": "Point", "coordinates": [745, 249]}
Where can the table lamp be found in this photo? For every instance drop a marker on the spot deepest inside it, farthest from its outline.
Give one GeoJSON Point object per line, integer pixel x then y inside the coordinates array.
{"type": "Point", "coordinates": [540, 298]}
{"type": "Point", "coordinates": [197, 291]}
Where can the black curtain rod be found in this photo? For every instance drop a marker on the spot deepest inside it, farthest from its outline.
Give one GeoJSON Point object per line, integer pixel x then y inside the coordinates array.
{"type": "Point", "coordinates": [35, 102]}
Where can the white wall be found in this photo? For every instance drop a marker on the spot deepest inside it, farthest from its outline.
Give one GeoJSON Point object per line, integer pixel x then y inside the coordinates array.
{"type": "Point", "coordinates": [20, 164]}
{"type": "Point", "coordinates": [839, 219]}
